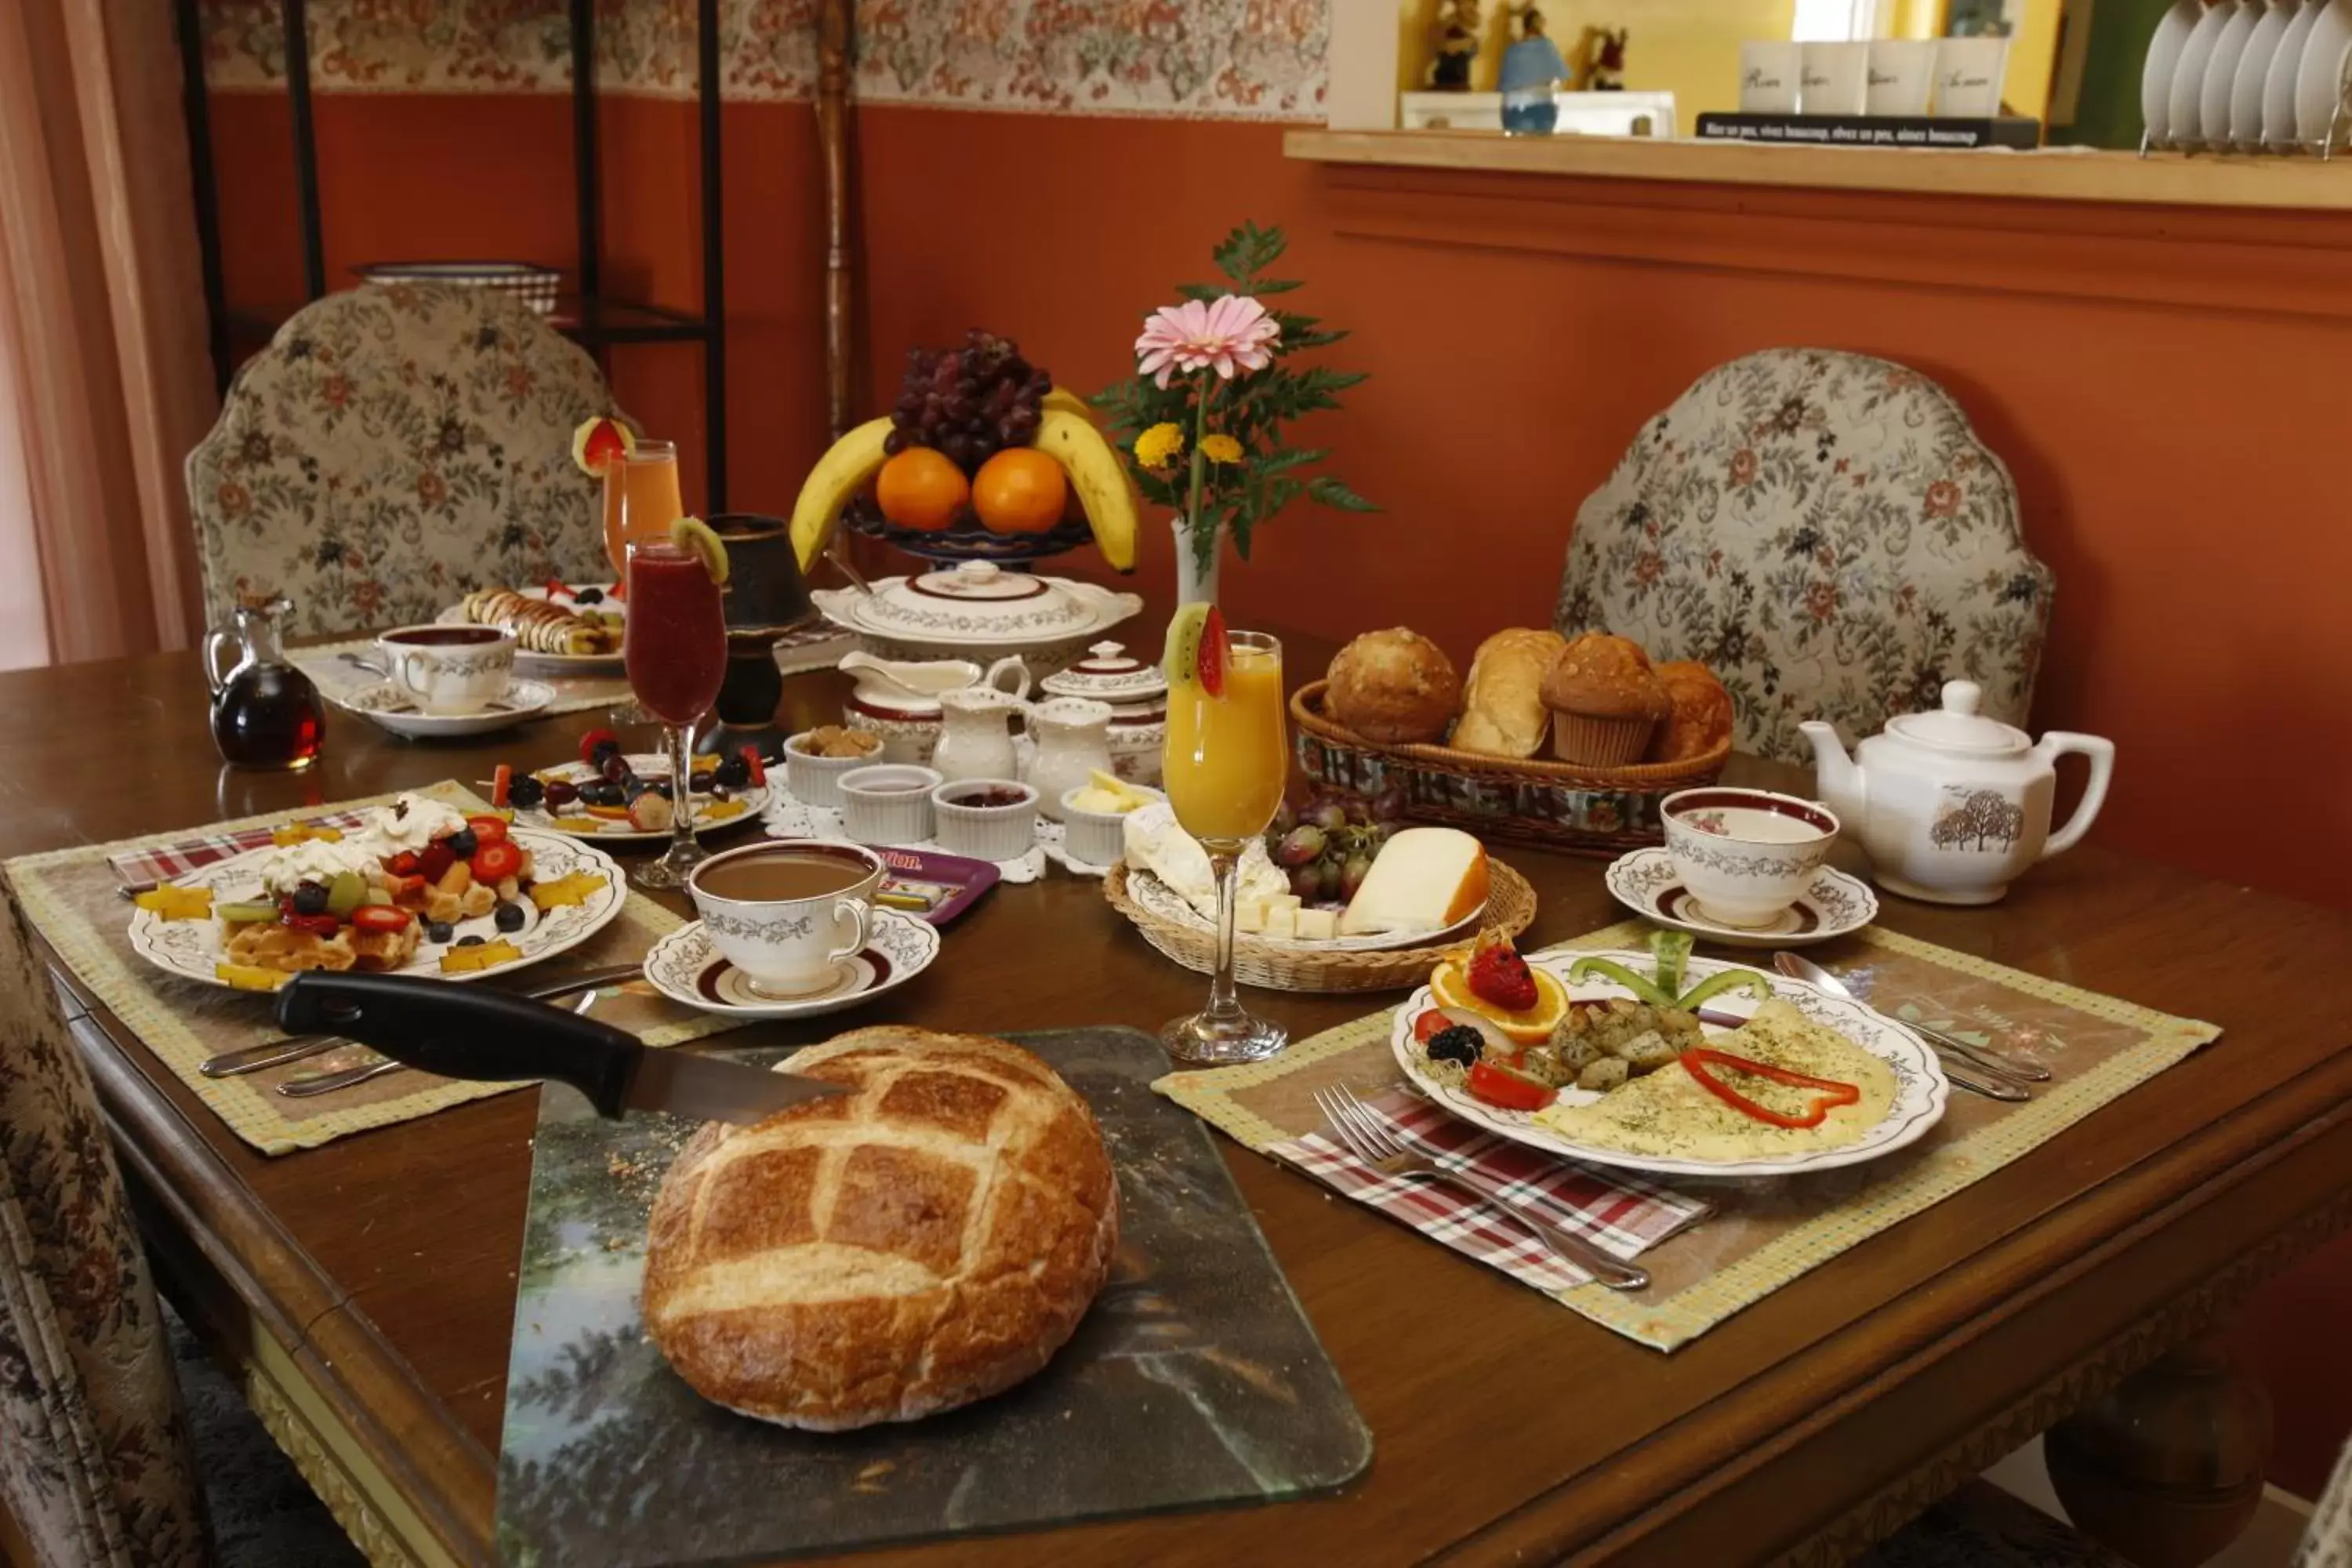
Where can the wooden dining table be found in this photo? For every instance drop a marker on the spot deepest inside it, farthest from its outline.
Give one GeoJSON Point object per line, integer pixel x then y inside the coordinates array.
{"type": "Point", "coordinates": [365, 1290]}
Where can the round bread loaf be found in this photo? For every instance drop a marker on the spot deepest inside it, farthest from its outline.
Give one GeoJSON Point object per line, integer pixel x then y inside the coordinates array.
{"type": "Point", "coordinates": [1392, 687]}
{"type": "Point", "coordinates": [928, 1240]}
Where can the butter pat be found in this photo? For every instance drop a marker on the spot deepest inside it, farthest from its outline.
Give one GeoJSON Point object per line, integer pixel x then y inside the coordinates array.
{"type": "Point", "coordinates": [1318, 925]}
{"type": "Point", "coordinates": [1106, 796]}
{"type": "Point", "coordinates": [1425, 879]}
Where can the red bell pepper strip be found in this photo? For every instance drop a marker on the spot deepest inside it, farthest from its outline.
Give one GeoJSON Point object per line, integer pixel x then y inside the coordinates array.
{"type": "Point", "coordinates": [1499, 1086]}
{"type": "Point", "coordinates": [1834, 1092]}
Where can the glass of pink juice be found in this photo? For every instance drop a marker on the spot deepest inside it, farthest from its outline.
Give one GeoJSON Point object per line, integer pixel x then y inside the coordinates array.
{"type": "Point", "coordinates": [675, 648]}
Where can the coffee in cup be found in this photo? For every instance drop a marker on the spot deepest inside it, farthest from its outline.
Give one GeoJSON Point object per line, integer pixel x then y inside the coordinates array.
{"type": "Point", "coordinates": [449, 670]}
{"type": "Point", "coordinates": [788, 912]}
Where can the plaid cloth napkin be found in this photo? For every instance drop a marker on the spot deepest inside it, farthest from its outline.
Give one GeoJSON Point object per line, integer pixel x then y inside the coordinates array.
{"type": "Point", "coordinates": [1619, 1211]}
{"type": "Point", "coordinates": [161, 864]}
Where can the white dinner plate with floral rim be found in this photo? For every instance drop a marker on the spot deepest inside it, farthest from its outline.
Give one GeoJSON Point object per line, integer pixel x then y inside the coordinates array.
{"type": "Point", "coordinates": [754, 799]}
{"type": "Point", "coordinates": [1920, 1087]}
{"type": "Point", "coordinates": [1832, 905]}
{"type": "Point", "coordinates": [190, 949]}
{"type": "Point", "coordinates": [392, 709]}
{"type": "Point", "coordinates": [1158, 897]}
{"type": "Point", "coordinates": [684, 967]}
{"type": "Point", "coordinates": [556, 664]}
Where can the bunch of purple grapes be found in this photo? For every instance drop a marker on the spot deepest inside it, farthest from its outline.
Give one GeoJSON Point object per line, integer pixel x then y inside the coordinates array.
{"type": "Point", "coordinates": [1328, 845]}
{"type": "Point", "coordinates": [968, 403]}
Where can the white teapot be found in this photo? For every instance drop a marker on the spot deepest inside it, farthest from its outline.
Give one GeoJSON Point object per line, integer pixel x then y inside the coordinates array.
{"type": "Point", "coordinates": [1952, 804]}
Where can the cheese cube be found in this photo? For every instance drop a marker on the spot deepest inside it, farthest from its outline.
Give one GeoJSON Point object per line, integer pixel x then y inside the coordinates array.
{"type": "Point", "coordinates": [1281, 918]}
{"type": "Point", "coordinates": [1249, 914]}
{"type": "Point", "coordinates": [1425, 879]}
{"type": "Point", "coordinates": [1318, 925]}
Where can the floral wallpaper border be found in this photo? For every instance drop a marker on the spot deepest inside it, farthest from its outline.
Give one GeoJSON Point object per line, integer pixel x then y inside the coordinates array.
{"type": "Point", "coordinates": [1254, 59]}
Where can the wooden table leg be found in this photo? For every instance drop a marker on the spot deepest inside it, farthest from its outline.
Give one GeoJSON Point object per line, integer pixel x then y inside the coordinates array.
{"type": "Point", "coordinates": [2167, 1469]}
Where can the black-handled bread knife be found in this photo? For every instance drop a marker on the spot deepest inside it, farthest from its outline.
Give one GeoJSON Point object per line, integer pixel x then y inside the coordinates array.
{"type": "Point", "coordinates": [462, 1031]}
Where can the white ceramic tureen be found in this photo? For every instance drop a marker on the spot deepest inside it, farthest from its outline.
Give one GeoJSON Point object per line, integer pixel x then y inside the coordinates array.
{"type": "Point", "coordinates": [1953, 804]}
{"type": "Point", "coordinates": [1138, 695]}
{"type": "Point", "coordinates": [976, 609]}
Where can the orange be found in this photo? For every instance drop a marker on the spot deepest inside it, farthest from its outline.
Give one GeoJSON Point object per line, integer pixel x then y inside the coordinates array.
{"type": "Point", "coordinates": [921, 489]}
{"type": "Point", "coordinates": [1020, 491]}
{"type": "Point", "coordinates": [1451, 988]}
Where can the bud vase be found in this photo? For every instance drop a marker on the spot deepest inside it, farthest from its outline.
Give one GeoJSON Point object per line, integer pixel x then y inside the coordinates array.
{"type": "Point", "coordinates": [1194, 585]}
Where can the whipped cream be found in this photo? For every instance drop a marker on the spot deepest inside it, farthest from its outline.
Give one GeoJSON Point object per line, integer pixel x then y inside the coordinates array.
{"type": "Point", "coordinates": [313, 860]}
{"type": "Point", "coordinates": [409, 824]}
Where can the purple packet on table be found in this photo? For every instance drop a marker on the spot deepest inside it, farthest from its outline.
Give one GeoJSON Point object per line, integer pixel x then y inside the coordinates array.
{"type": "Point", "coordinates": [930, 886]}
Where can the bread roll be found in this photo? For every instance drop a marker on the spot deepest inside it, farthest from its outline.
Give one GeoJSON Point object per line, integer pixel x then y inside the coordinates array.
{"type": "Point", "coordinates": [928, 1240]}
{"type": "Point", "coordinates": [1394, 687]}
{"type": "Point", "coordinates": [1502, 703]}
{"type": "Point", "coordinates": [1702, 714]}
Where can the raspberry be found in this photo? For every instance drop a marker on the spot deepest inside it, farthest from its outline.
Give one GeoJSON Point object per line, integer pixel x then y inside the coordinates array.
{"type": "Point", "coordinates": [1499, 975]}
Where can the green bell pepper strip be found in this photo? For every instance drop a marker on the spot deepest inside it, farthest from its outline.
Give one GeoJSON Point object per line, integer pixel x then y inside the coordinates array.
{"type": "Point", "coordinates": [1671, 948]}
{"type": "Point", "coordinates": [1608, 969]}
{"type": "Point", "coordinates": [1746, 980]}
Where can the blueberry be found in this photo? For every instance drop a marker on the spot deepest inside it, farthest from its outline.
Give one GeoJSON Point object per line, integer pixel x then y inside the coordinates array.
{"type": "Point", "coordinates": [734, 772]}
{"type": "Point", "coordinates": [526, 792]}
{"type": "Point", "coordinates": [510, 917]}
{"type": "Point", "coordinates": [469, 942]}
{"type": "Point", "coordinates": [310, 898]}
{"type": "Point", "coordinates": [606, 794]}
{"type": "Point", "coordinates": [463, 843]}
{"type": "Point", "coordinates": [660, 787]}
{"type": "Point", "coordinates": [589, 596]}
{"type": "Point", "coordinates": [438, 931]}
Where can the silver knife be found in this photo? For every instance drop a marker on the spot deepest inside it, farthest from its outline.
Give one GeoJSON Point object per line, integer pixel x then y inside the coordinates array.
{"type": "Point", "coordinates": [294, 1048]}
{"type": "Point", "coordinates": [459, 1032]}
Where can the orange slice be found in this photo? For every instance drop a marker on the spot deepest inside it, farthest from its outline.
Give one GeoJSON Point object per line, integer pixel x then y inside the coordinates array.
{"type": "Point", "coordinates": [598, 442]}
{"type": "Point", "coordinates": [1451, 988]}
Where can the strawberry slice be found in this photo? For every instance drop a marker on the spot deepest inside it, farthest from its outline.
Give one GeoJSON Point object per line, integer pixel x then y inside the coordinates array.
{"type": "Point", "coordinates": [598, 443]}
{"type": "Point", "coordinates": [759, 769]}
{"type": "Point", "coordinates": [1211, 661]}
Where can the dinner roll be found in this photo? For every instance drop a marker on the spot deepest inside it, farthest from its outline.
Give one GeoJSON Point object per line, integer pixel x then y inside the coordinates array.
{"type": "Point", "coordinates": [1394, 687]}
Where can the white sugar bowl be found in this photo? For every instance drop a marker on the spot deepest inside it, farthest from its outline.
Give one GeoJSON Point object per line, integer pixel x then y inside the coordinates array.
{"type": "Point", "coordinates": [1136, 694]}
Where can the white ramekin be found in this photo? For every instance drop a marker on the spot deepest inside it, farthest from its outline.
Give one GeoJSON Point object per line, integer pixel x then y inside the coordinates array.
{"type": "Point", "coordinates": [817, 781]}
{"type": "Point", "coordinates": [1096, 837]}
{"type": "Point", "coordinates": [889, 802]}
{"type": "Point", "coordinates": [985, 832]}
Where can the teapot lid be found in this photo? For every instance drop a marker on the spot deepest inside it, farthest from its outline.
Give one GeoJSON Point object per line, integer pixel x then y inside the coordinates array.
{"type": "Point", "coordinates": [1111, 672]}
{"type": "Point", "coordinates": [1959, 726]}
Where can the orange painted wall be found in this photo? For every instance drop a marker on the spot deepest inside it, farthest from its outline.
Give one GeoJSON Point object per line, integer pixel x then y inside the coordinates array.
{"type": "Point", "coordinates": [2155, 381]}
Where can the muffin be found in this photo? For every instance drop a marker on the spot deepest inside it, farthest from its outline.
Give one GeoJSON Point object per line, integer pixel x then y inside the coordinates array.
{"type": "Point", "coordinates": [1394, 687]}
{"type": "Point", "coordinates": [1605, 701]}
{"type": "Point", "coordinates": [1701, 720]}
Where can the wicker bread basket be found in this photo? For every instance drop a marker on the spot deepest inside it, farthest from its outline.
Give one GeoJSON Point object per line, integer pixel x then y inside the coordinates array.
{"type": "Point", "coordinates": [1557, 805]}
{"type": "Point", "coordinates": [1510, 906]}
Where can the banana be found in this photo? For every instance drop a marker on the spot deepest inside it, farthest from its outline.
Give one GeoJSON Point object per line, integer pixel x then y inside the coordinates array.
{"type": "Point", "coordinates": [1097, 474]}
{"type": "Point", "coordinates": [1069, 402]}
{"type": "Point", "coordinates": [839, 475]}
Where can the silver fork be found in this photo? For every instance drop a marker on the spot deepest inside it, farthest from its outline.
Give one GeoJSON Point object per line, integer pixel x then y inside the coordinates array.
{"type": "Point", "coordinates": [1369, 1139]}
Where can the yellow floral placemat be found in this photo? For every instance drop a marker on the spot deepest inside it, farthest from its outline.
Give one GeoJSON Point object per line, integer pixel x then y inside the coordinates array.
{"type": "Point", "coordinates": [70, 896]}
{"type": "Point", "coordinates": [1768, 1232]}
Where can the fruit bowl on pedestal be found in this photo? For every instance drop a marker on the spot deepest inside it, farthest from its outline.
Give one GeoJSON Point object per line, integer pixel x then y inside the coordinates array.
{"type": "Point", "coordinates": [967, 542]}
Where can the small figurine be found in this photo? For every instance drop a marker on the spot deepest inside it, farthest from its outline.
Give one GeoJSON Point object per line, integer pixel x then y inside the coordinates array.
{"type": "Point", "coordinates": [1456, 34]}
{"type": "Point", "coordinates": [1601, 60]}
{"type": "Point", "coordinates": [1532, 72]}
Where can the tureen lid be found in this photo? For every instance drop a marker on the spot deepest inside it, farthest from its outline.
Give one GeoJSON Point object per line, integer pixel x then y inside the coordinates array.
{"type": "Point", "coordinates": [978, 601]}
{"type": "Point", "coordinates": [1110, 673]}
{"type": "Point", "coordinates": [1959, 726]}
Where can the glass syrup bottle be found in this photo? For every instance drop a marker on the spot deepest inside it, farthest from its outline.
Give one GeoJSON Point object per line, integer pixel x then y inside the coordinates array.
{"type": "Point", "coordinates": [265, 713]}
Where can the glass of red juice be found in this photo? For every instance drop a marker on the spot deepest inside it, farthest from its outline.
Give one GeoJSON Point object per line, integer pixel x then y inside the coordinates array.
{"type": "Point", "coordinates": [675, 650]}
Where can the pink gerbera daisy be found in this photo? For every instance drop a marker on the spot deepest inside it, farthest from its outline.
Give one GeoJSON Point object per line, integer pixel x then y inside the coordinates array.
{"type": "Point", "coordinates": [1229, 335]}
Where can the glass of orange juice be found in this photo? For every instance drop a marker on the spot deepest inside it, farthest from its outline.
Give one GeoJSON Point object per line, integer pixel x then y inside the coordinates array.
{"type": "Point", "coordinates": [641, 500]}
{"type": "Point", "coordinates": [1225, 761]}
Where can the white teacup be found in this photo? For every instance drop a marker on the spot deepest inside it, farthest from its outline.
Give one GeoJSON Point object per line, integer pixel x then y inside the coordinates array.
{"type": "Point", "coordinates": [1745, 855]}
{"type": "Point", "coordinates": [450, 670]}
{"type": "Point", "coordinates": [789, 911]}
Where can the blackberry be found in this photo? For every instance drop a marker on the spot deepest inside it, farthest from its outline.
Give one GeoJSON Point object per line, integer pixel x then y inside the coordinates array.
{"type": "Point", "coordinates": [1461, 1042]}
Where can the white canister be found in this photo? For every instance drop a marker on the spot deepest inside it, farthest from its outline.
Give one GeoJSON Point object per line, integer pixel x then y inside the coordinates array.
{"type": "Point", "coordinates": [1070, 738]}
{"type": "Point", "coordinates": [1768, 69]}
{"type": "Point", "coordinates": [1834, 78]}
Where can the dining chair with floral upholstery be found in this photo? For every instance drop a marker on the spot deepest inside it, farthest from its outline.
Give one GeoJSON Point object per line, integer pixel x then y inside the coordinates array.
{"type": "Point", "coordinates": [1826, 532]}
{"type": "Point", "coordinates": [394, 448]}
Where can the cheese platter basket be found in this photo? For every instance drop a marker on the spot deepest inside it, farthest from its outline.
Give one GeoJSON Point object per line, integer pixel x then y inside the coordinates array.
{"type": "Point", "coordinates": [1552, 804]}
{"type": "Point", "coordinates": [1280, 965]}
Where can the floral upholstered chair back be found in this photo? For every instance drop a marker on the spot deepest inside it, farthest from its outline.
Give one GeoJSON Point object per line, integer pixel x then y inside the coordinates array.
{"type": "Point", "coordinates": [392, 448]}
{"type": "Point", "coordinates": [1827, 532]}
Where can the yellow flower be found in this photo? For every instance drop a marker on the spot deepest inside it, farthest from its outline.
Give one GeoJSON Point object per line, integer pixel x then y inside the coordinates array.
{"type": "Point", "coordinates": [1221, 448]}
{"type": "Point", "coordinates": [1160, 446]}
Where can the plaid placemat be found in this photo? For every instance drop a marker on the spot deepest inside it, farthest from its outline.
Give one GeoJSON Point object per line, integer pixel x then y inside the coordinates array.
{"type": "Point", "coordinates": [1619, 1212]}
{"type": "Point", "coordinates": [817, 647]}
{"type": "Point", "coordinates": [72, 897]}
{"type": "Point", "coordinates": [161, 862]}
{"type": "Point", "coordinates": [1764, 1233]}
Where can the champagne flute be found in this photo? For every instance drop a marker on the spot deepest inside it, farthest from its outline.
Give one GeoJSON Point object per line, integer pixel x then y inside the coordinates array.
{"type": "Point", "coordinates": [641, 500]}
{"type": "Point", "coordinates": [1225, 763]}
{"type": "Point", "coordinates": [675, 648]}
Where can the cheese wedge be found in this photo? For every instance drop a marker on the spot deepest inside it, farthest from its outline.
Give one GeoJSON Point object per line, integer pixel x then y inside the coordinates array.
{"type": "Point", "coordinates": [1318, 925]}
{"type": "Point", "coordinates": [1425, 879]}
